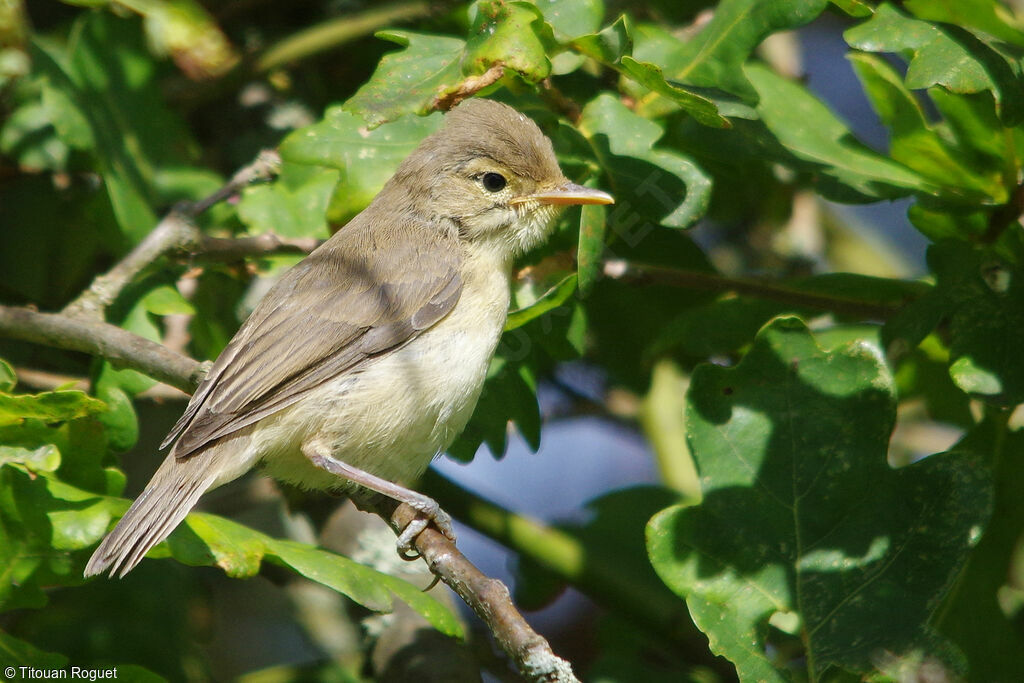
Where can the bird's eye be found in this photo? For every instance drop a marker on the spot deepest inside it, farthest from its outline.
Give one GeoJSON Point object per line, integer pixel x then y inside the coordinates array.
{"type": "Point", "coordinates": [493, 182]}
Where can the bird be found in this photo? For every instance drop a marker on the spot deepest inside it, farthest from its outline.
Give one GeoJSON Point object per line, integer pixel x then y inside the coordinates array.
{"type": "Point", "coordinates": [366, 359]}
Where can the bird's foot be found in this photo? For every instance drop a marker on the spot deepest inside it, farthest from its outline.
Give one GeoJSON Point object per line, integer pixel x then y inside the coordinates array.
{"type": "Point", "coordinates": [427, 508]}
{"type": "Point", "coordinates": [429, 511]}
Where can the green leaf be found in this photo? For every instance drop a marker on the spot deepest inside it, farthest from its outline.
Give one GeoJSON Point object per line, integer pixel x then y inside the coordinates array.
{"type": "Point", "coordinates": [728, 323]}
{"type": "Point", "coordinates": [943, 55]}
{"type": "Point", "coordinates": [816, 137]}
{"type": "Point", "coordinates": [991, 638]}
{"type": "Point", "coordinates": [166, 300]}
{"type": "Point", "coordinates": [804, 525]}
{"type": "Point", "coordinates": [905, 330]}
{"type": "Point", "coordinates": [974, 125]}
{"type": "Point", "coordinates": [8, 378]}
{"type": "Point", "coordinates": [295, 205]}
{"type": "Point", "coordinates": [611, 46]}
{"type": "Point", "coordinates": [593, 223]}
{"type": "Point", "coordinates": [78, 448]}
{"type": "Point", "coordinates": [207, 540]}
{"type": "Point", "coordinates": [721, 326]}
{"type": "Point", "coordinates": [131, 135]}
{"type": "Point", "coordinates": [45, 521]}
{"type": "Point", "coordinates": [553, 298]}
{"type": "Point", "coordinates": [987, 16]}
{"type": "Point", "coordinates": [938, 225]}
{"type": "Point", "coordinates": [28, 135]}
{"type": "Point", "coordinates": [45, 458]}
{"type": "Point", "coordinates": [120, 420]}
{"type": "Point", "coordinates": [923, 374]}
{"type": "Point", "coordinates": [79, 518]}
{"type": "Point", "coordinates": [18, 653]}
{"type": "Point", "coordinates": [572, 18]}
{"type": "Point", "coordinates": [854, 8]}
{"type": "Point", "coordinates": [433, 71]}
{"type": "Point", "coordinates": [365, 158]}
{"type": "Point", "coordinates": [503, 34]}
{"type": "Point", "coordinates": [70, 122]}
{"type": "Point", "coordinates": [984, 298]}
{"type": "Point", "coordinates": [367, 586]}
{"type": "Point", "coordinates": [914, 143]}
{"type": "Point", "coordinates": [663, 185]}
{"type": "Point", "coordinates": [508, 395]}
{"type": "Point", "coordinates": [700, 107]}
{"type": "Point", "coordinates": [409, 81]}
{"type": "Point", "coordinates": [49, 406]}
{"type": "Point", "coordinates": [210, 540]}
{"type": "Point", "coordinates": [714, 58]}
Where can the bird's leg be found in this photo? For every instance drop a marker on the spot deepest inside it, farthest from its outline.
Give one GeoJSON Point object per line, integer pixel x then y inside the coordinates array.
{"type": "Point", "coordinates": [428, 508]}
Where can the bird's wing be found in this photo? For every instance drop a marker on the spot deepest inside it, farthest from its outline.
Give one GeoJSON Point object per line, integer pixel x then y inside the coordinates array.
{"type": "Point", "coordinates": [351, 300]}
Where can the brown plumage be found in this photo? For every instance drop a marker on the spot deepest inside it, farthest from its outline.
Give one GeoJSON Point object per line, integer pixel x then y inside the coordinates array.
{"type": "Point", "coordinates": [366, 359]}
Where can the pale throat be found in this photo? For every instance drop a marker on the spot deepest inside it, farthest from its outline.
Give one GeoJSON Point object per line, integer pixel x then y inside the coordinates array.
{"type": "Point", "coordinates": [510, 231]}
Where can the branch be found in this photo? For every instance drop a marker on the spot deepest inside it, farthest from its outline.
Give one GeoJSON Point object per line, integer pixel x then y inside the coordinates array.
{"type": "Point", "coordinates": [175, 232]}
{"type": "Point", "coordinates": [267, 244]}
{"type": "Point", "coordinates": [488, 597]}
{"type": "Point", "coordinates": [121, 347]}
{"type": "Point", "coordinates": [692, 279]}
{"type": "Point", "coordinates": [490, 600]}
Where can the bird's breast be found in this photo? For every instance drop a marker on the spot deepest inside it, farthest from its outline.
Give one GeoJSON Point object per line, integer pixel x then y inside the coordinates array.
{"type": "Point", "coordinates": [395, 414]}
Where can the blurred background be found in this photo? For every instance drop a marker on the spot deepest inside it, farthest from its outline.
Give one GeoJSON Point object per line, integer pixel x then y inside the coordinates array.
{"type": "Point", "coordinates": [276, 628]}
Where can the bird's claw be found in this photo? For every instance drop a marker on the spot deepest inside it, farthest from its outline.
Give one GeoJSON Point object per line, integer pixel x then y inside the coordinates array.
{"type": "Point", "coordinates": [428, 511]}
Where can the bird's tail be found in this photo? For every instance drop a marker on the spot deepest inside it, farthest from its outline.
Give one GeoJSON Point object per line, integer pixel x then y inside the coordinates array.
{"type": "Point", "coordinates": [170, 495]}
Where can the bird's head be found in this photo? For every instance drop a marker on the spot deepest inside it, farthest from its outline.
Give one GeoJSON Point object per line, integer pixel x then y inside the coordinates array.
{"type": "Point", "coordinates": [492, 173]}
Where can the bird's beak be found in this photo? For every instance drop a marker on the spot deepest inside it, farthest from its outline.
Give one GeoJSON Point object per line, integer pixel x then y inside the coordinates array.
{"type": "Point", "coordinates": [568, 194]}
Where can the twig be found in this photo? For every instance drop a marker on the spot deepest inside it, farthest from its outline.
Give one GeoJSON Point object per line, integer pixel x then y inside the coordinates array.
{"type": "Point", "coordinates": [174, 232]}
{"type": "Point", "coordinates": [267, 244]}
{"type": "Point", "coordinates": [468, 87]}
{"type": "Point", "coordinates": [693, 279]}
{"type": "Point", "coordinates": [491, 601]}
{"type": "Point", "coordinates": [102, 339]}
{"type": "Point", "coordinates": [566, 106]}
{"type": "Point", "coordinates": [266, 166]}
{"type": "Point", "coordinates": [488, 597]}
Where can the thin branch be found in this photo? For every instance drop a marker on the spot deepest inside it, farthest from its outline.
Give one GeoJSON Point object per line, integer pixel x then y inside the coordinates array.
{"type": "Point", "coordinates": [469, 86]}
{"type": "Point", "coordinates": [693, 279]}
{"type": "Point", "coordinates": [266, 166]}
{"type": "Point", "coordinates": [174, 232]}
{"type": "Point", "coordinates": [558, 101]}
{"type": "Point", "coordinates": [267, 244]}
{"type": "Point", "coordinates": [98, 338]}
{"type": "Point", "coordinates": [491, 601]}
